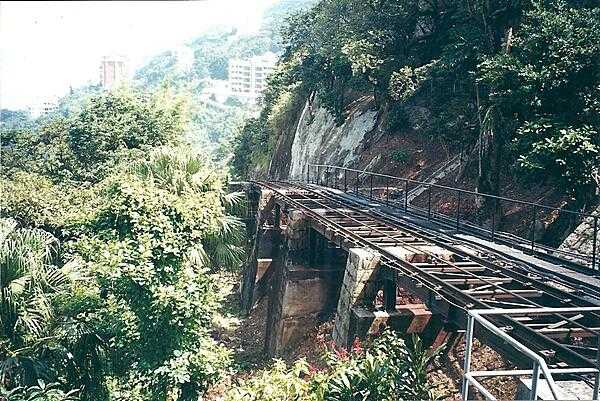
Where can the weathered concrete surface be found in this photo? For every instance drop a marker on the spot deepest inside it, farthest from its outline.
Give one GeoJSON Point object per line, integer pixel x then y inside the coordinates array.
{"type": "Point", "coordinates": [581, 240]}
{"type": "Point", "coordinates": [263, 202]}
{"type": "Point", "coordinates": [569, 390]}
{"type": "Point", "coordinates": [411, 318]}
{"type": "Point", "coordinates": [296, 230]}
{"type": "Point", "coordinates": [262, 266]}
{"type": "Point", "coordinates": [301, 295]}
{"type": "Point", "coordinates": [359, 278]}
{"type": "Point", "coordinates": [305, 297]}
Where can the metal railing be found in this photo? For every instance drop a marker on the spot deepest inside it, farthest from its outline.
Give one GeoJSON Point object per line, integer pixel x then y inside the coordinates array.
{"type": "Point", "coordinates": [470, 378]}
{"type": "Point", "coordinates": [461, 208]}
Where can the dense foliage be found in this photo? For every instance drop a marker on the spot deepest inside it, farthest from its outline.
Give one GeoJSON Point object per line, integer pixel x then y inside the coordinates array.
{"type": "Point", "coordinates": [12, 119]}
{"type": "Point", "coordinates": [110, 236]}
{"type": "Point", "coordinates": [516, 81]}
{"type": "Point", "coordinates": [388, 370]}
{"type": "Point", "coordinates": [193, 67]}
{"type": "Point", "coordinates": [86, 146]}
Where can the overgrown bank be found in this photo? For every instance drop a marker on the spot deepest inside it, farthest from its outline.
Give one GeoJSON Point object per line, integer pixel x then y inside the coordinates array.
{"type": "Point", "coordinates": [513, 85]}
{"type": "Point", "coordinates": [109, 231]}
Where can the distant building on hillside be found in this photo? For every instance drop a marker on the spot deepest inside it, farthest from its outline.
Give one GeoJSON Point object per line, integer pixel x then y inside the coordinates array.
{"type": "Point", "coordinates": [113, 70]}
{"type": "Point", "coordinates": [248, 77]}
{"type": "Point", "coordinates": [44, 107]}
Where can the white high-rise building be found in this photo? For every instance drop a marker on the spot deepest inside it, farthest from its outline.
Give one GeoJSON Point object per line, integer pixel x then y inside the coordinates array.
{"type": "Point", "coordinates": [248, 77]}
{"type": "Point", "coordinates": [113, 70]}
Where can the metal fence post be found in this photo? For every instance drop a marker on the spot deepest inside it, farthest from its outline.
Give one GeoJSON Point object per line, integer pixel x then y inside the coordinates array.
{"type": "Point", "coordinates": [387, 191]}
{"type": "Point", "coordinates": [371, 186]}
{"type": "Point", "coordinates": [533, 220]}
{"type": "Point", "coordinates": [596, 393]}
{"type": "Point", "coordinates": [429, 202]}
{"type": "Point", "coordinates": [318, 175]}
{"type": "Point", "coordinates": [494, 219]}
{"type": "Point", "coordinates": [458, 211]}
{"type": "Point", "coordinates": [345, 180]}
{"type": "Point", "coordinates": [595, 243]}
{"type": "Point", "coordinates": [335, 180]}
{"type": "Point", "coordinates": [356, 184]}
{"type": "Point", "coordinates": [405, 195]}
{"type": "Point", "coordinates": [327, 174]}
{"type": "Point", "coordinates": [308, 175]}
{"type": "Point", "coordinates": [534, 381]}
{"type": "Point", "coordinates": [467, 363]}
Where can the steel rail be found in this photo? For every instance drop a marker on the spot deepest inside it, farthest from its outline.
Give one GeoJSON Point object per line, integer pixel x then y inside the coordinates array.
{"type": "Point", "coordinates": [559, 254]}
{"type": "Point", "coordinates": [429, 254]}
{"type": "Point", "coordinates": [429, 238]}
{"type": "Point", "coordinates": [433, 283]}
{"type": "Point", "coordinates": [432, 235]}
{"type": "Point", "coordinates": [406, 267]}
{"type": "Point", "coordinates": [499, 236]}
{"type": "Point", "coordinates": [546, 289]}
{"type": "Point", "coordinates": [557, 277]}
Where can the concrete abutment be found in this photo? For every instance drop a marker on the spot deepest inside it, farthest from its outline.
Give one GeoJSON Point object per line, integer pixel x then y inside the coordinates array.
{"type": "Point", "coordinates": [307, 279]}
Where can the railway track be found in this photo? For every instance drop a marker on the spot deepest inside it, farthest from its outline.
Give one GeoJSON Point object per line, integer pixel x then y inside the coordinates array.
{"type": "Point", "coordinates": [456, 275]}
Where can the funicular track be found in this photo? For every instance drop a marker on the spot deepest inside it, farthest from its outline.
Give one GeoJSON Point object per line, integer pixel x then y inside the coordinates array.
{"type": "Point", "coordinates": [469, 279]}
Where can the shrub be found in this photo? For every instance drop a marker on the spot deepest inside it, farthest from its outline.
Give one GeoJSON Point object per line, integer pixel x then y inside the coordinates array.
{"type": "Point", "coordinates": [388, 370]}
{"type": "Point", "coordinates": [397, 118]}
{"type": "Point", "coordinates": [40, 392]}
{"type": "Point", "coordinates": [399, 155]}
{"type": "Point", "coordinates": [279, 383]}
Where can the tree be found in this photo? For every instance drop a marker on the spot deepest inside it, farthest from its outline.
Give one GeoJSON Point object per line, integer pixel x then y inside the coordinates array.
{"type": "Point", "coordinates": [544, 94]}
{"type": "Point", "coordinates": [183, 173]}
{"type": "Point", "coordinates": [111, 128]}
{"type": "Point", "coordinates": [149, 248]}
{"type": "Point", "coordinates": [14, 119]}
{"type": "Point", "coordinates": [28, 283]}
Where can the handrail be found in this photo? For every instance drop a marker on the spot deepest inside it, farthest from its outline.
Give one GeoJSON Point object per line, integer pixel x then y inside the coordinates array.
{"type": "Point", "coordinates": [587, 260]}
{"type": "Point", "coordinates": [478, 315]}
{"type": "Point", "coordinates": [466, 191]}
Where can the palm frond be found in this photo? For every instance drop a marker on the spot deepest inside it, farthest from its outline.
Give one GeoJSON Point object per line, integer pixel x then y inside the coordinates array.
{"type": "Point", "coordinates": [233, 199]}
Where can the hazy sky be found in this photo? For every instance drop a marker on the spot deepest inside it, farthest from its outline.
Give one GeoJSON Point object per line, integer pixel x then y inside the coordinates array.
{"type": "Point", "coordinates": [47, 46]}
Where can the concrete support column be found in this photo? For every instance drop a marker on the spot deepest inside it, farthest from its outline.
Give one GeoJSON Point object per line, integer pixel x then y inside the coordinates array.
{"type": "Point", "coordinates": [262, 202]}
{"type": "Point", "coordinates": [302, 294]}
{"type": "Point", "coordinates": [275, 296]}
{"type": "Point", "coordinates": [359, 277]}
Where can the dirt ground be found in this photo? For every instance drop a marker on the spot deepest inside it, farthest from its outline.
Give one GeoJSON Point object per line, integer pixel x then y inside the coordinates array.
{"type": "Point", "coordinates": [245, 336]}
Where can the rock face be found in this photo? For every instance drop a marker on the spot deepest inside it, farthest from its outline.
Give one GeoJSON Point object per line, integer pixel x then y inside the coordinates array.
{"type": "Point", "coordinates": [319, 140]}
{"type": "Point", "coordinates": [581, 240]}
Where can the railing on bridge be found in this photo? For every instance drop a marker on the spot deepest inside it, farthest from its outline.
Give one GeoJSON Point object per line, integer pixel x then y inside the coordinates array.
{"type": "Point", "coordinates": [461, 208]}
{"type": "Point", "coordinates": [539, 366]}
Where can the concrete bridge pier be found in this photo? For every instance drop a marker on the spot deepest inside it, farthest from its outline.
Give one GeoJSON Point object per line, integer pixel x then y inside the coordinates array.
{"type": "Point", "coordinates": [304, 288]}
{"type": "Point", "coordinates": [255, 280]}
{"type": "Point", "coordinates": [308, 276]}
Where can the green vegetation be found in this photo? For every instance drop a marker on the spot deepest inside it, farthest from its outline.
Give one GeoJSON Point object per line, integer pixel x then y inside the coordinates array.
{"type": "Point", "coordinates": [109, 234]}
{"type": "Point", "coordinates": [14, 119]}
{"type": "Point", "coordinates": [518, 80]}
{"type": "Point", "coordinates": [213, 128]}
{"type": "Point", "coordinates": [399, 155]}
{"type": "Point", "coordinates": [388, 370]}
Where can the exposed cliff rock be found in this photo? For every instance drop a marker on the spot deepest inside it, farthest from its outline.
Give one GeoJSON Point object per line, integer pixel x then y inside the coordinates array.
{"type": "Point", "coordinates": [317, 139]}
{"type": "Point", "coordinates": [581, 240]}
{"type": "Point", "coordinates": [361, 141]}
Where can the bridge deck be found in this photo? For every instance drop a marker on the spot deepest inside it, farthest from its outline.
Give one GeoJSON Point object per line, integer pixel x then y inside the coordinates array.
{"type": "Point", "coordinates": [452, 274]}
